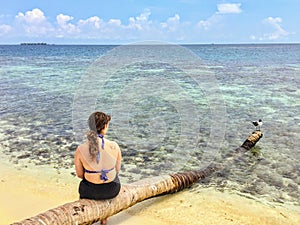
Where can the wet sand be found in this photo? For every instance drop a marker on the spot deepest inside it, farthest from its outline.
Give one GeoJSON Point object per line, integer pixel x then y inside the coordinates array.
{"type": "Point", "coordinates": [27, 192]}
{"type": "Point", "coordinates": [206, 207]}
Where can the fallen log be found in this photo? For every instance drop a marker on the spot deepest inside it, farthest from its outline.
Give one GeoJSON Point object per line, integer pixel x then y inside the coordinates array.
{"type": "Point", "coordinates": [85, 211]}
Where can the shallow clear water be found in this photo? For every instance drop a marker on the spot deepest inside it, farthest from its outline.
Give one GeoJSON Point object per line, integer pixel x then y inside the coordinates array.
{"type": "Point", "coordinates": [171, 111]}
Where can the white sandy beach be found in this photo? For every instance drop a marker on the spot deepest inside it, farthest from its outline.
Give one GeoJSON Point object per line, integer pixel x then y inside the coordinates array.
{"type": "Point", "coordinates": [25, 193]}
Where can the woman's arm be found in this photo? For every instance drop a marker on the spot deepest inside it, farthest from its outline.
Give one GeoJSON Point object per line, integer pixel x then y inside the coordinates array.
{"type": "Point", "coordinates": [119, 159]}
{"type": "Point", "coordinates": [78, 164]}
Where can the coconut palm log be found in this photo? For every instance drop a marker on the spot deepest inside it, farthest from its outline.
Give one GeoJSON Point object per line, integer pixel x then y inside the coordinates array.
{"type": "Point", "coordinates": [85, 211]}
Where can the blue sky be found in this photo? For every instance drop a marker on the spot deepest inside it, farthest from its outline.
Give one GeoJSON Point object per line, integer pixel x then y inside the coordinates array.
{"type": "Point", "coordinates": [176, 21]}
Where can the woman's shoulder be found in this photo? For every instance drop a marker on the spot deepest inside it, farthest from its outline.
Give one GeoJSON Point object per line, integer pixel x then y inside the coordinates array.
{"type": "Point", "coordinates": [114, 145]}
{"type": "Point", "coordinates": [84, 144]}
{"type": "Point", "coordinates": [82, 147]}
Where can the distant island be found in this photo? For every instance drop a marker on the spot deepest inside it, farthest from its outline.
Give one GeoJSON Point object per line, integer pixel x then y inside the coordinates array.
{"type": "Point", "coordinates": [33, 43]}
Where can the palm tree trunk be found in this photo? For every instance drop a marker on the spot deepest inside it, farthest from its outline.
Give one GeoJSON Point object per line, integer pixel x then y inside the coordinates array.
{"type": "Point", "coordinates": [86, 211]}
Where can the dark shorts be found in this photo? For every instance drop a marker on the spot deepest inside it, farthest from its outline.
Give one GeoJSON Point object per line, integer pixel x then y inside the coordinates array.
{"type": "Point", "coordinates": [99, 191]}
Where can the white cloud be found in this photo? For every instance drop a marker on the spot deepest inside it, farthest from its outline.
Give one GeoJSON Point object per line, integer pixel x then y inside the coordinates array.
{"type": "Point", "coordinates": [174, 19]}
{"type": "Point", "coordinates": [172, 23]}
{"type": "Point", "coordinates": [63, 24]}
{"type": "Point", "coordinates": [33, 22]}
{"type": "Point", "coordinates": [229, 8]}
{"type": "Point", "coordinates": [140, 22]}
{"type": "Point", "coordinates": [36, 16]}
{"type": "Point", "coordinates": [115, 22]}
{"type": "Point", "coordinates": [225, 8]}
{"type": "Point", "coordinates": [94, 21]}
{"type": "Point", "coordinates": [4, 29]}
{"type": "Point", "coordinates": [276, 24]}
{"type": "Point", "coordinates": [205, 24]}
{"type": "Point", "coordinates": [63, 19]}
{"type": "Point", "coordinates": [144, 17]}
{"type": "Point", "coordinates": [278, 32]}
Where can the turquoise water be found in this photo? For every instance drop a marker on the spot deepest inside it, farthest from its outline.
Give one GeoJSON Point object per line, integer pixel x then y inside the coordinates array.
{"type": "Point", "coordinates": [170, 112]}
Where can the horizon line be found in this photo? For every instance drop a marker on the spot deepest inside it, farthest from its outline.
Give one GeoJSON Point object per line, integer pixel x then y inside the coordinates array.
{"type": "Point", "coordinates": [132, 43]}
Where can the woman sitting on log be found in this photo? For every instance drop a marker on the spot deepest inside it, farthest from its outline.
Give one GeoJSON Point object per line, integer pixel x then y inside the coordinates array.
{"type": "Point", "coordinates": [98, 161]}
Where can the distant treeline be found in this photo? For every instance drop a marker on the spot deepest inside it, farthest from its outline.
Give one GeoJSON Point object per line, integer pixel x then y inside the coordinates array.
{"type": "Point", "coordinates": [34, 43]}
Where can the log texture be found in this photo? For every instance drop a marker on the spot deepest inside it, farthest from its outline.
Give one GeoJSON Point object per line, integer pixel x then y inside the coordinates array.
{"type": "Point", "coordinates": [86, 211]}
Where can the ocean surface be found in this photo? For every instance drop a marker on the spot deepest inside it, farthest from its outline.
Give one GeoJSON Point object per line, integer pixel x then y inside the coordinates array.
{"type": "Point", "coordinates": [174, 108]}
